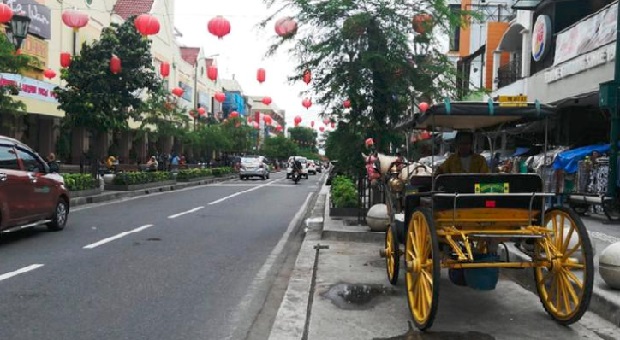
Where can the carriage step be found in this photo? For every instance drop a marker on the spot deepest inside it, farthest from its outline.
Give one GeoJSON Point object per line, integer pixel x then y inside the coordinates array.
{"type": "Point", "coordinates": [507, 236]}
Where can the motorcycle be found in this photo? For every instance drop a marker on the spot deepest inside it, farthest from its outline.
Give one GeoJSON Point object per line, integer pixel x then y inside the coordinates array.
{"type": "Point", "coordinates": [296, 175]}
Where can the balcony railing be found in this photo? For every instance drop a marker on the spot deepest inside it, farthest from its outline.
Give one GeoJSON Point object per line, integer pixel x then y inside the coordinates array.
{"type": "Point", "coordinates": [509, 73]}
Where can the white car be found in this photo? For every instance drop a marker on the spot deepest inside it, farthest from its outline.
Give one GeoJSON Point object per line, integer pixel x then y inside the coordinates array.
{"type": "Point", "coordinates": [311, 168]}
{"type": "Point", "coordinates": [304, 166]}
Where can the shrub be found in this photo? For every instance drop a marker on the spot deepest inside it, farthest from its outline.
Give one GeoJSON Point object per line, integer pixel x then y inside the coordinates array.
{"type": "Point", "coordinates": [221, 171]}
{"type": "Point", "coordinates": [188, 174]}
{"type": "Point", "coordinates": [343, 192]}
{"type": "Point", "coordinates": [79, 182]}
{"type": "Point", "coordinates": [132, 178]}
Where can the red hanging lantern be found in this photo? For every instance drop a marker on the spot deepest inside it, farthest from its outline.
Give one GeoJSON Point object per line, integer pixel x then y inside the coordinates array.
{"type": "Point", "coordinates": [297, 120]}
{"type": "Point", "coordinates": [306, 103]}
{"type": "Point", "coordinates": [6, 13]}
{"type": "Point", "coordinates": [369, 142]}
{"type": "Point", "coordinates": [260, 75]}
{"type": "Point", "coordinates": [279, 129]}
{"type": "Point", "coordinates": [146, 24]}
{"type": "Point", "coordinates": [49, 73]}
{"type": "Point", "coordinates": [164, 69]}
{"type": "Point", "coordinates": [326, 121]}
{"type": "Point", "coordinates": [74, 19]}
{"type": "Point", "coordinates": [286, 27]}
{"type": "Point", "coordinates": [233, 114]}
{"type": "Point", "coordinates": [266, 100]}
{"type": "Point", "coordinates": [202, 111]}
{"type": "Point", "coordinates": [65, 59]}
{"type": "Point", "coordinates": [333, 125]}
{"type": "Point", "coordinates": [423, 107]}
{"type": "Point", "coordinates": [219, 26]}
{"type": "Point", "coordinates": [267, 119]}
{"type": "Point", "coordinates": [307, 76]}
{"type": "Point", "coordinates": [322, 129]}
{"type": "Point", "coordinates": [312, 124]}
{"type": "Point", "coordinates": [220, 96]}
{"type": "Point", "coordinates": [115, 64]}
{"type": "Point", "coordinates": [346, 104]}
{"type": "Point", "coordinates": [212, 72]}
{"type": "Point", "coordinates": [177, 91]}
{"type": "Point", "coordinates": [255, 125]}
{"type": "Point", "coordinates": [422, 22]}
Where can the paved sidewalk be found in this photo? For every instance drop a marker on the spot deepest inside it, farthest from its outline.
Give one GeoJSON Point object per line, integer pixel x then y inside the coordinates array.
{"type": "Point", "coordinates": [109, 195]}
{"type": "Point", "coordinates": [343, 293]}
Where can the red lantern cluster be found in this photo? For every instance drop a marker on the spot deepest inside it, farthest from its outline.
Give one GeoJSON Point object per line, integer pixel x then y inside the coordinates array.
{"type": "Point", "coordinates": [164, 69]}
{"type": "Point", "coordinates": [312, 124]}
{"type": "Point", "coordinates": [326, 121]}
{"type": "Point", "coordinates": [220, 96]}
{"type": "Point", "coordinates": [266, 100]}
{"type": "Point", "coordinates": [6, 13]}
{"type": "Point", "coordinates": [49, 73]}
{"type": "Point", "coordinates": [322, 129]}
{"type": "Point", "coordinates": [212, 72]}
{"type": "Point", "coordinates": [177, 91]}
{"type": "Point", "coordinates": [306, 103]}
{"type": "Point", "coordinates": [307, 76]}
{"type": "Point", "coordinates": [260, 75]}
{"type": "Point", "coordinates": [115, 65]}
{"type": "Point", "coordinates": [74, 19]}
{"type": "Point", "coordinates": [286, 27]}
{"type": "Point", "coordinates": [421, 22]}
{"type": "Point", "coordinates": [202, 111]}
{"type": "Point", "coordinates": [219, 26]}
{"type": "Point", "coordinates": [267, 119]}
{"type": "Point", "coordinates": [65, 59]}
{"type": "Point", "coordinates": [146, 24]}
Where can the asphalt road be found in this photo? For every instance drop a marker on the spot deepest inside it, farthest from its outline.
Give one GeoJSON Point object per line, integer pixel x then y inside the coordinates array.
{"type": "Point", "coordinates": [176, 265]}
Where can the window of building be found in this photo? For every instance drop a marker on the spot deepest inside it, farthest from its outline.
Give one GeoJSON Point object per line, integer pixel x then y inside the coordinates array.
{"type": "Point", "coordinates": [455, 31]}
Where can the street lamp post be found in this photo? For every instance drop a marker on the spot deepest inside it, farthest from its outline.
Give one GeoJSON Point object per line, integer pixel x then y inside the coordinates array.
{"type": "Point", "coordinates": [17, 30]}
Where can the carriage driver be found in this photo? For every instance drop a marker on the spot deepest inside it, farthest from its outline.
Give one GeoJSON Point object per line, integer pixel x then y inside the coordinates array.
{"type": "Point", "coordinates": [464, 160]}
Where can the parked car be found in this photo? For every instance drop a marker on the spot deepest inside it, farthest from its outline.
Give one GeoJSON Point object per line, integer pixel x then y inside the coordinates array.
{"type": "Point", "coordinates": [311, 168]}
{"type": "Point", "coordinates": [319, 166]}
{"type": "Point", "coordinates": [304, 166]}
{"type": "Point", "coordinates": [30, 194]}
{"type": "Point", "coordinates": [253, 166]}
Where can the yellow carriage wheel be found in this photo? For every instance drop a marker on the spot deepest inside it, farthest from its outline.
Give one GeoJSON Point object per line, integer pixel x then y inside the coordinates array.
{"type": "Point", "coordinates": [423, 268]}
{"type": "Point", "coordinates": [565, 284]}
{"type": "Point", "coordinates": [392, 256]}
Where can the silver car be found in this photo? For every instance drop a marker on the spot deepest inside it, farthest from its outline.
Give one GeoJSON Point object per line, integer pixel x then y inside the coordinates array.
{"type": "Point", "coordinates": [253, 167]}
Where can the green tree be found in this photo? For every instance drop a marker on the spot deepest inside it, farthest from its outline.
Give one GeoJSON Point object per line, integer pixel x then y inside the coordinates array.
{"type": "Point", "coordinates": [344, 145]}
{"type": "Point", "coordinates": [162, 117]}
{"type": "Point", "coordinates": [280, 147]}
{"type": "Point", "coordinates": [98, 100]}
{"type": "Point", "coordinates": [362, 50]}
{"type": "Point", "coordinates": [242, 137]}
{"type": "Point", "coordinates": [304, 137]}
{"type": "Point", "coordinates": [10, 63]}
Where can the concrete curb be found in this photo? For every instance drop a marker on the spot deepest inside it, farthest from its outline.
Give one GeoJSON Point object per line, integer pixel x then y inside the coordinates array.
{"type": "Point", "coordinates": [358, 233]}
{"type": "Point", "coordinates": [111, 196]}
{"type": "Point", "coordinates": [292, 314]}
{"type": "Point", "coordinates": [601, 303]}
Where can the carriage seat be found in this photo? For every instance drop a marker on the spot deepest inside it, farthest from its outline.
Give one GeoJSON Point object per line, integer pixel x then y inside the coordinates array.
{"type": "Point", "coordinates": [486, 209]}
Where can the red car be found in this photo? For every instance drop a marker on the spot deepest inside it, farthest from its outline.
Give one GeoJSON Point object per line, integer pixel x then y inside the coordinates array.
{"type": "Point", "coordinates": [30, 194]}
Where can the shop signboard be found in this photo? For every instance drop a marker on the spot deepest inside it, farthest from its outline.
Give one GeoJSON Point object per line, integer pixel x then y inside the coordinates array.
{"type": "Point", "coordinates": [40, 16]}
{"type": "Point", "coordinates": [512, 101]}
{"type": "Point", "coordinates": [29, 87]}
{"type": "Point", "coordinates": [587, 35]}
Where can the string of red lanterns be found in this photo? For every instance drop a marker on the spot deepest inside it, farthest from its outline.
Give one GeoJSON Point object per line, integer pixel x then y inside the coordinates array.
{"type": "Point", "coordinates": [220, 96]}
{"type": "Point", "coordinates": [212, 72]}
{"type": "Point", "coordinates": [164, 69]}
{"type": "Point", "coordinates": [307, 102]}
{"type": "Point", "coordinates": [260, 75]}
{"type": "Point", "coordinates": [115, 64]}
{"type": "Point", "coordinates": [65, 59]}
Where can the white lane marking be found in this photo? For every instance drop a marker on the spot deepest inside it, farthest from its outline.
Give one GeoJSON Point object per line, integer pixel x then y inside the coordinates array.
{"type": "Point", "coordinates": [603, 237]}
{"type": "Point", "coordinates": [243, 192]}
{"type": "Point", "coordinates": [116, 237]}
{"type": "Point", "coordinates": [185, 212]}
{"type": "Point", "coordinates": [20, 271]}
{"type": "Point", "coordinates": [267, 266]}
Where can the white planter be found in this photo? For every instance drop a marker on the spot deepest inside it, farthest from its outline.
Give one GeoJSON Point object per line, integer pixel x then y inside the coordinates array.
{"type": "Point", "coordinates": [108, 178]}
{"type": "Point", "coordinates": [609, 265]}
{"type": "Point", "coordinates": [377, 217]}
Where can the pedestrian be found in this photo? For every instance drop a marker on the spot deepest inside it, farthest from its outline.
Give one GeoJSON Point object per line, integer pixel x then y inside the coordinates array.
{"type": "Point", "coordinates": [174, 162]}
{"type": "Point", "coordinates": [53, 163]}
{"type": "Point", "coordinates": [152, 164]}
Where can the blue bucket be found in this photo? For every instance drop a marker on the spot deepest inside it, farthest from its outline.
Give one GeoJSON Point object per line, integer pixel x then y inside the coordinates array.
{"type": "Point", "coordinates": [482, 278]}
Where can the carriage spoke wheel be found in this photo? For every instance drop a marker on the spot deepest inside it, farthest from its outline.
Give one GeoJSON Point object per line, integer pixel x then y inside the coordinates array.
{"type": "Point", "coordinates": [392, 256]}
{"type": "Point", "coordinates": [565, 284]}
{"type": "Point", "coordinates": [423, 268]}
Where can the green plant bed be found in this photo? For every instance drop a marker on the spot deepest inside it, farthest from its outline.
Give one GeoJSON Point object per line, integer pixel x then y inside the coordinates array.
{"type": "Point", "coordinates": [343, 193]}
{"type": "Point", "coordinates": [135, 178]}
{"type": "Point", "coordinates": [189, 175]}
{"type": "Point", "coordinates": [219, 172]}
{"type": "Point", "coordinates": [80, 182]}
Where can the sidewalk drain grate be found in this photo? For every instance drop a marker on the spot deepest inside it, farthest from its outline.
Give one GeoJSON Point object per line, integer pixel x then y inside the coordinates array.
{"type": "Point", "coordinates": [357, 296]}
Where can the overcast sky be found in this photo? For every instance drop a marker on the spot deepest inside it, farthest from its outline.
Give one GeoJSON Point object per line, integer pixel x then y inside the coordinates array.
{"type": "Point", "coordinates": [242, 52]}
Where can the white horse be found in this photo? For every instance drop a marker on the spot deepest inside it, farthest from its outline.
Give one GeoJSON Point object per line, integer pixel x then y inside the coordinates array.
{"type": "Point", "coordinates": [413, 169]}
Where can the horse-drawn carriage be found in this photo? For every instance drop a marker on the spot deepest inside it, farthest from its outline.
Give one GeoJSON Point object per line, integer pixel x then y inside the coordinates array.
{"type": "Point", "coordinates": [458, 222]}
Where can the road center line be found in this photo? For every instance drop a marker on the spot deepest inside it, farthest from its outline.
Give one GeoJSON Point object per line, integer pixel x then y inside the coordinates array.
{"type": "Point", "coordinates": [243, 192]}
{"type": "Point", "coordinates": [185, 212]}
{"type": "Point", "coordinates": [116, 237]}
{"type": "Point", "coordinates": [20, 271]}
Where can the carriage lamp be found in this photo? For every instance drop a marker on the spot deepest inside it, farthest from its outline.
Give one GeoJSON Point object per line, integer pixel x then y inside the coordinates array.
{"type": "Point", "coordinates": [396, 185]}
{"type": "Point", "coordinates": [18, 30]}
